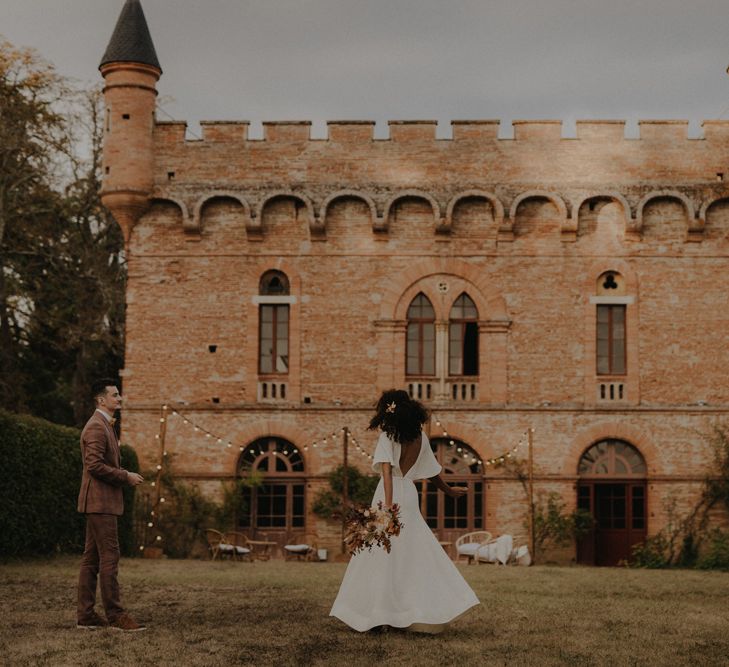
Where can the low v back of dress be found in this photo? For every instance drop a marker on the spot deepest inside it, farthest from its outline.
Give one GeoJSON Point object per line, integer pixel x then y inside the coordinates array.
{"type": "Point", "coordinates": [416, 585]}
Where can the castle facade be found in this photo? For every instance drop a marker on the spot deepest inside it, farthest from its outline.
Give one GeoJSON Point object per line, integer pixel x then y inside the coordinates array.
{"type": "Point", "coordinates": [569, 289]}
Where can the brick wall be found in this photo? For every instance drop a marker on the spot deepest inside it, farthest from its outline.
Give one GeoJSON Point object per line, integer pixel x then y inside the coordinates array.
{"type": "Point", "coordinates": [525, 226]}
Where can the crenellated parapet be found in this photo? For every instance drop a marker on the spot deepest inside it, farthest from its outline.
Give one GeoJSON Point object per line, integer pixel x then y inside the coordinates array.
{"type": "Point", "coordinates": [488, 130]}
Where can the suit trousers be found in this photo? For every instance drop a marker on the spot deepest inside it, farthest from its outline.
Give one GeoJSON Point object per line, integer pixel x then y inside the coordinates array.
{"type": "Point", "coordinates": [100, 558]}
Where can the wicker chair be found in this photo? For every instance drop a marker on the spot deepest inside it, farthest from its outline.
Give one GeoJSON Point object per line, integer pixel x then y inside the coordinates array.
{"type": "Point", "coordinates": [301, 547]}
{"type": "Point", "coordinates": [218, 545]}
{"type": "Point", "coordinates": [239, 542]}
{"type": "Point", "coordinates": [467, 545]}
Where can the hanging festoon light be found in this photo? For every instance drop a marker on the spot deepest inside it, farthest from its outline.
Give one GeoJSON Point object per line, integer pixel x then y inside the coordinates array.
{"type": "Point", "coordinates": [156, 483]}
{"type": "Point", "coordinates": [494, 461]}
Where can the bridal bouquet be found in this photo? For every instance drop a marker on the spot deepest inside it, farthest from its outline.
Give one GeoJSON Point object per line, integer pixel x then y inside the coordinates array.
{"type": "Point", "coordinates": [369, 527]}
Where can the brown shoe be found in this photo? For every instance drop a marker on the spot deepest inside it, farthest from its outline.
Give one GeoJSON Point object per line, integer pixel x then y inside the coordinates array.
{"type": "Point", "coordinates": [93, 622]}
{"type": "Point", "coordinates": [127, 624]}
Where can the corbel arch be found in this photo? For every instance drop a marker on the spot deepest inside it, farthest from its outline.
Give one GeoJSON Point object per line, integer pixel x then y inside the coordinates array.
{"type": "Point", "coordinates": [348, 194]}
{"type": "Point", "coordinates": [162, 198]}
{"type": "Point", "coordinates": [506, 230]}
{"type": "Point", "coordinates": [614, 196]}
{"type": "Point", "coordinates": [539, 194]}
{"type": "Point", "coordinates": [171, 199]}
{"type": "Point", "coordinates": [219, 194]}
{"type": "Point", "coordinates": [573, 224]}
{"type": "Point", "coordinates": [490, 197]}
{"type": "Point", "coordinates": [692, 223]}
{"type": "Point", "coordinates": [315, 226]}
{"type": "Point", "coordinates": [704, 210]}
{"type": "Point", "coordinates": [411, 194]}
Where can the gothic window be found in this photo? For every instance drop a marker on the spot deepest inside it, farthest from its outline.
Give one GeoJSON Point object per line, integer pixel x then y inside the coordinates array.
{"type": "Point", "coordinates": [276, 499]}
{"type": "Point", "coordinates": [462, 467]}
{"type": "Point", "coordinates": [463, 337]}
{"type": "Point", "coordinates": [273, 329]}
{"type": "Point", "coordinates": [611, 339]}
{"type": "Point", "coordinates": [420, 337]}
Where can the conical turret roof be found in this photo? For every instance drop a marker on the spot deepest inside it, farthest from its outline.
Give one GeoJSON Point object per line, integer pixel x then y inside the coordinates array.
{"type": "Point", "coordinates": [131, 41]}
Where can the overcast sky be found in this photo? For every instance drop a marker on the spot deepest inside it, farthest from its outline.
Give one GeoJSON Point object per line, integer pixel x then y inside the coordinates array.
{"type": "Point", "coordinates": [324, 60]}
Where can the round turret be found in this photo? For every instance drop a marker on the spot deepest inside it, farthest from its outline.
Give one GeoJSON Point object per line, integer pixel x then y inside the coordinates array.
{"type": "Point", "coordinates": [131, 70]}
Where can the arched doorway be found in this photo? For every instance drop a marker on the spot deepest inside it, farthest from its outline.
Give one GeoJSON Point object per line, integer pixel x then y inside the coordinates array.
{"type": "Point", "coordinates": [275, 503]}
{"type": "Point", "coordinates": [612, 487]}
{"type": "Point", "coordinates": [452, 517]}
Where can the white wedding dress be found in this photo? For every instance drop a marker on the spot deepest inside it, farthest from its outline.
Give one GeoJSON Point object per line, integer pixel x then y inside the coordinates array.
{"type": "Point", "coordinates": [416, 586]}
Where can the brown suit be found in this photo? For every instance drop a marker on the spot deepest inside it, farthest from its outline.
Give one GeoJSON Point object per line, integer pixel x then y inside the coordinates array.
{"type": "Point", "coordinates": [102, 501]}
{"type": "Point", "coordinates": [103, 476]}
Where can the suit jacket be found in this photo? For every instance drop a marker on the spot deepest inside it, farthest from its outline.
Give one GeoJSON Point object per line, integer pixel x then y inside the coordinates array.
{"type": "Point", "coordinates": [103, 476]}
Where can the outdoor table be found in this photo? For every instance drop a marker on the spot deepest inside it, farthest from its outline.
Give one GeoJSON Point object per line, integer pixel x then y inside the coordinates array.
{"type": "Point", "coordinates": [261, 549]}
{"type": "Point", "coordinates": [447, 547]}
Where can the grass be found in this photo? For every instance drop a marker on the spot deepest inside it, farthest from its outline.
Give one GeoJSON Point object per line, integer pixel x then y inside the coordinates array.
{"type": "Point", "coordinates": [276, 613]}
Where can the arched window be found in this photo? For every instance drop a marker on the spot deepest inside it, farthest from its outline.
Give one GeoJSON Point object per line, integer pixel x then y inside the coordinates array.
{"type": "Point", "coordinates": [273, 501]}
{"type": "Point", "coordinates": [611, 335]}
{"type": "Point", "coordinates": [273, 329]}
{"type": "Point", "coordinates": [274, 283]}
{"type": "Point", "coordinates": [420, 355]}
{"type": "Point", "coordinates": [612, 458]}
{"type": "Point", "coordinates": [461, 466]}
{"type": "Point", "coordinates": [463, 337]}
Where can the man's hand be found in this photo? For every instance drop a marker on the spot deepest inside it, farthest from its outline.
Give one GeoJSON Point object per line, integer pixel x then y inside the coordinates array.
{"type": "Point", "coordinates": [134, 478]}
{"type": "Point", "coordinates": [458, 491]}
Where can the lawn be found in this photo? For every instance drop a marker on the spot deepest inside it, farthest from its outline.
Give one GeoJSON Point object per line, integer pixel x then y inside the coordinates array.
{"type": "Point", "coordinates": [276, 613]}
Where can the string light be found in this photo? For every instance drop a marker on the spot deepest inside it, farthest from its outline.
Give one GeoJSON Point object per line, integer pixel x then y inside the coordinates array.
{"type": "Point", "coordinates": [495, 461]}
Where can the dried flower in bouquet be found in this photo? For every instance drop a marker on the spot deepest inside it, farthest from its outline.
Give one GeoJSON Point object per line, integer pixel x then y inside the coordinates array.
{"type": "Point", "coordinates": [369, 527]}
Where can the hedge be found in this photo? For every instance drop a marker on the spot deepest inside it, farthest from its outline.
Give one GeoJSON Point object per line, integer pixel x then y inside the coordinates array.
{"type": "Point", "coordinates": [41, 477]}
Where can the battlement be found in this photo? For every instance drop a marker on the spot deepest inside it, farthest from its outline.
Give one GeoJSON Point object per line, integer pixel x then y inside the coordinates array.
{"type": "Point", "coordinates": [419, 131]}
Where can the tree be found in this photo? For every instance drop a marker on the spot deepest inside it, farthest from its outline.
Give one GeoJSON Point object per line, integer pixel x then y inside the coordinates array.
{"type": "Point", "coordinates": [62, 268]}
{"type": "Point", "coordinates": [32, 134]}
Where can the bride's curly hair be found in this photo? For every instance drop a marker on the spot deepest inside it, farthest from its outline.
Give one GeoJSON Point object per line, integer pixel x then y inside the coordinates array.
{"type": "Point", "coordinates": [400, 416]}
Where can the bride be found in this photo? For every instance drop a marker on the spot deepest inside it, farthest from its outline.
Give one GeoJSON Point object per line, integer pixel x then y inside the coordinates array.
{"type": "Point", "coordinates": [416, 586]}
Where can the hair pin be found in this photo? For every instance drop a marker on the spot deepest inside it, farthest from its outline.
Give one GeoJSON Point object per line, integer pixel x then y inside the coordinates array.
{"type": "Point", "coordinates": [391, 407]}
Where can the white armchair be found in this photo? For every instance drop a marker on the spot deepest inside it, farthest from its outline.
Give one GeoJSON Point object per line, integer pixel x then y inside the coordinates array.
{"type": "Point", "coordinates": [467, 545]}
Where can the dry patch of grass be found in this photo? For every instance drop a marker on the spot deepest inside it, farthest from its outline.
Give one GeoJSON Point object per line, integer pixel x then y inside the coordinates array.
{"type": "Point", "coordinates": [276, 613]}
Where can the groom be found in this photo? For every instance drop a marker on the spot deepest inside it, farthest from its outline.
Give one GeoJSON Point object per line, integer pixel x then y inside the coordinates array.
{"type": "Point", "coordinates": [102, 502]}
